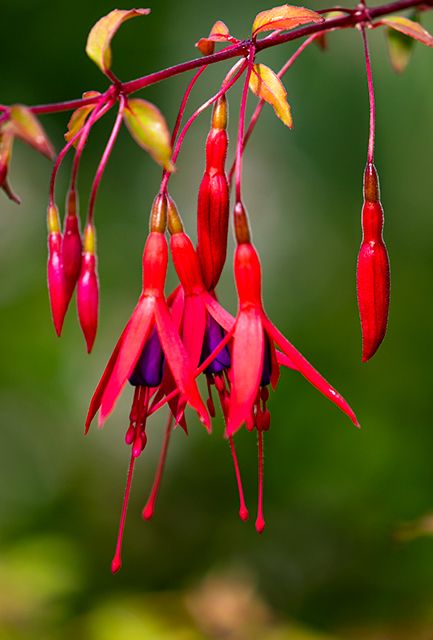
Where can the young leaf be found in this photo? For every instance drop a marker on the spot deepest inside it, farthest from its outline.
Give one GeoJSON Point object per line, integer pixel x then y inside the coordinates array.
{"type": "Point", "coordinates": [265, 84]}
{"type": "Point", "coordinates": [399, 48]}
{"type": "Point", "coordinates": [100, 36]}
{"type": "Point", "coordinates": [284, 17]}
{"type": "Point", "coordinates": [409, 28]}
{"type": "Point", "coordinates": [6, 144]}
{"type": "Point", "coordinates": [79, 116]}
{"type": "Point", "coordinates": [219, 33]}
{"type": "Point", "coordinates": [27, 127]}
{"type": "Point", "coordinates": [149, 129]}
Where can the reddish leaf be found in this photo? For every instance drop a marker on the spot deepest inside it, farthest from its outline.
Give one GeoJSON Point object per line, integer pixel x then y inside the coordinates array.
{"type": "Point", "coordinates": [99, 39]}
{"type": "Point", "coordinates": [6, 144]}
{"type": "Point", "coordinates": [284, 17]}
{"type": "Point", "coordinates": [265, 84]}
{"type": "Point", "coordinates": [149, 129]}
{"type": "Point", "coordinates": [27, 127]}
{"type": "Point", "coordinates": [218, 33]}
{"type": "Point", "coordinates": [409, 28]}
{"type": "Point", "coordinates": [79, 116]}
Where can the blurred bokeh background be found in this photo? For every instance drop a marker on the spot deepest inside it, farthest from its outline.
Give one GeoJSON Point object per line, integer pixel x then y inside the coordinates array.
{"type": "Point", "coordinates": [347, 551]}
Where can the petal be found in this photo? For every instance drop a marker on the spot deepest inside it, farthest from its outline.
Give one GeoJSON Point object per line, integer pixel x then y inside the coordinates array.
{"type": "Point", "coordinates": [178, 360]}
{"type": "Point", "coordinates": [223, 317]}
{"type": "Point", "coordinates": [194, 324]}
{"type": "Point", "coordinates": [136, 334]}
{"type": "Point", "coordinates": [308, 371]}
{"type": "Point", "coordinates": [95, 402]}
{"type": "Point", "coordinates": [247, 365]}
{"type": "Point", "coordinates": [285, 361]}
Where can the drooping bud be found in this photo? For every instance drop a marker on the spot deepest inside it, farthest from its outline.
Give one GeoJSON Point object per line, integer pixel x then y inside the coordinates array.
{"type": "Point", "coordinates": [213, 200]}
{"type": "Point", "coordinates": [88, 289]}
{"type": "Point", "coordinates": [55, 278]}
{"type": "Point", "coordinates": [248, 275]}
{"type": "Point", "coordinates": [175, 224]}
{"type": "Point", "coordinates": [373, 273]}
{"type": "Point", "coordinates": [71, 246]}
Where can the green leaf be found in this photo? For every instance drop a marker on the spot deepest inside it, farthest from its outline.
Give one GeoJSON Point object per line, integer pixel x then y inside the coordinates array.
{"type": "Point", "coordinates": [27, 127]}
{"type": "Point", "coordinates": [400, 49]}
{"type": "Point", "coordinates": [265, 84]}
{"type": "Point", "coordinates": [99, 39]}
{"type": "Point", "coordinates": [409, 28]}
{"type": "Point", "coordinates": [149, 129]}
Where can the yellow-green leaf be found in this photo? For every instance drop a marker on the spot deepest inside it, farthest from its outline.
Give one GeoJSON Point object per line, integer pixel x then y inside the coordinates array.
{"type": "Point", "coordinates": [79, 116]}
{"type": "Point", "coordinates": [149, 129]}
{"type": "Point", "coordinates": [219, 33]}
{"type": "Point", "coordinates": [409, 28]}
{"type": "Point", "coordinates": [99, 39]}
{"type": "Point", "coordinates": [27, 127]}
{"type": "Point", "coordinates": [400, 49]}
{"type": "Point", "coordinates": [284, 17]}
{"type": "Point", "coordinates": [265, 84]}
{"type": "Point", "coordinates": [6, 144]}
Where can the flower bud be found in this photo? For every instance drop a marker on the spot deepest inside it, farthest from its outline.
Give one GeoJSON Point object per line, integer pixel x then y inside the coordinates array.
{"type": "Point", "coordinates": [213, 201]}
{"type": "Point", "coordinates": [71, 247]}
{"type": "Point", "coordinates": [248, 275]}
{"type": "Point", "coordinates": [55, 279]}
{"type": "Point", "coordinates": [373, 273]}
{"type": "Point", "coordinates": [88, 289]}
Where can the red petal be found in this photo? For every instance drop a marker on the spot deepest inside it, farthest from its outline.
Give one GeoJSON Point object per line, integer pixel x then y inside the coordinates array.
{"type": "Point", "coordinates": [285, 361]}
{"type": "Point", "coordinates": [136, 334]}
{"type": "Point", "coordinates": [194, 324]}
{"type": "Point", "coordinates": [178, 360]}
{"type": "Point", "coordinates": [275, 366]}
{"type": "Point", "coordinates": [308, 371]}
{"type": "Point", "coordinates": [218, 313]}
{"type": "Point", "coordinates": [95, 402]}
{"type": "Point", "coordinates": [247, 365]}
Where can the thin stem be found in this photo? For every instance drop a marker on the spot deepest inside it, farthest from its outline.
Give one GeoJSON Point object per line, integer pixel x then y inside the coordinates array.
{"type": "Point", "coordinates": [370, 154]}
{"type": "Point", "coordinates": [105, 156]}
{"type": "Point", "coordinates": [260, 105]}
{"type": "Point", "coordinates": [99, 109]}
{"type": "Point", "coordinates": [68, 105]}
{"type": "Point", "coordinates": [226, 85]}
{"type": "Point", "coordinates": [183, 103]}
{"type": "Point", "coordinates": [241, 126]}
{"type": "Point", "coordinates": [150, 504]}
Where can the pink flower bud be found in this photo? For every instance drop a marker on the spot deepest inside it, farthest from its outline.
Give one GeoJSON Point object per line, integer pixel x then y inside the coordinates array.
{"type": "Point", "coordinates": [71, 248]}
{"type": "Point", "coordinates": [55, 279]}
{"type": "Point", "coordinates": [88, 290]}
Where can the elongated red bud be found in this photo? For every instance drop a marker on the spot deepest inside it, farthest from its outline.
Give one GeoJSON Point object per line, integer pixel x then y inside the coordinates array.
{"type": "Point", "coordinates": [55, 279]}
{"type": "Point", "coordinates": [71, 247]}
{"type": "Point", "coordinates": [88, 289]}
{"type": "Point", "coordinates": [213, 200]}
{"type": "Point", "coordinates": [248, 275]}
{"type": "Point", "coordinates": [373, 273]}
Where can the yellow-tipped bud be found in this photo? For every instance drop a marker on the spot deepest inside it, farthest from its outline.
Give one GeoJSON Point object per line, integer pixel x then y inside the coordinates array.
{"type": "Point", "coordinates": [72, 203]}
{"type": "Point", "coordinates": [53, 220]}
{"type": "Point", "coordinates": [371, 184]}
{"type": "Point", "coordinates": [89, 244]}
{"type": "Point", "coordinates": [158, 213]}
{"type": "Point", "coordinates": [219, 115]}
{"type": "Point", "coordinates": [242, 230]}
{"type": "Point", "coordinates": [174, 220]}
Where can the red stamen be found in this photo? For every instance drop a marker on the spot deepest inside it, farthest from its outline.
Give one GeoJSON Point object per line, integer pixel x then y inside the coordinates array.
{"type": "Point", "coordinates": [149, 508]}
{"type": "Point", "coordinates": [117, 560]}
{"type": "Point", "coordinates": [243, 511]}
{"type": "Point", "coordinates": [260, 521]}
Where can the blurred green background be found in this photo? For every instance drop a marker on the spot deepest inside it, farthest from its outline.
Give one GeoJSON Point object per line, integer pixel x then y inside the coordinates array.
{"type": "Point", "coordinates": [347, 551]}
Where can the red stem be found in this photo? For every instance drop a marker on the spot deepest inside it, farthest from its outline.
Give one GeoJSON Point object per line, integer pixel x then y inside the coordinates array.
{"type": "Point", "coordinates": [226, 85]}
{"type": "Point", "coordinates": [241, 126]}
{"type": "Point", "coordinates": [370, 154]}
{"type": "Point", "coordinates": [183, 103]}
{"type": "Point", "coordinates": [260, 105]}
{"type": "Point", "coordinates": [105, 156]}
{"type": "Point", "coordinates": [150, 504]}
{"type": "Point", "coordinates": [355, 17]}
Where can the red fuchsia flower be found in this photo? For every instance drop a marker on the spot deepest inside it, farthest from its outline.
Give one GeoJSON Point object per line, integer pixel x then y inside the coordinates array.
{"type": "Point", "coordinates": [373, 274]}
{"type": "Point", "coordinates": [56, 288]}
{"type": "Point", "coordinates": [88, 289]}
{"type": "Point", "coordinates": [253, 354]}
{"type": "Point", "coordinates": [149, 340]}
{"type": "Point", "coordinates": [213, 200]}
